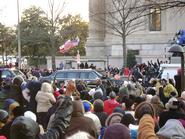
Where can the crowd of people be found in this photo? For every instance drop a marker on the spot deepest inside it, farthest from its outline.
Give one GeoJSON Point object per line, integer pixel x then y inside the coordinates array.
{"type": "Point", "coordinates": [41, 110]}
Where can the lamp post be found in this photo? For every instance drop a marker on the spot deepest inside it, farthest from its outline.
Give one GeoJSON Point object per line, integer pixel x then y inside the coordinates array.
{"type": "Point", "coordinates": [178, 50]}
{"type": "Point", "coordinates": [18, 36]}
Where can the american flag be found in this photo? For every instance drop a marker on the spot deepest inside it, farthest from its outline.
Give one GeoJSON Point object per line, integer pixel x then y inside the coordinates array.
{"type": "Point", "coordinates": [68, 45]}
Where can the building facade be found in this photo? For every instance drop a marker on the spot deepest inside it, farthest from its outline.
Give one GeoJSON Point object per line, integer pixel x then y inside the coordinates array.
{"type": "Point", "coordinates": [151, 42]}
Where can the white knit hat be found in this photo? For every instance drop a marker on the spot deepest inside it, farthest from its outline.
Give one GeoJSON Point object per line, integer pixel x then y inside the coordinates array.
{"type": "Point", "coordinates": [30, 115]}
{"type": "Point", "coordinates": [170, 104]}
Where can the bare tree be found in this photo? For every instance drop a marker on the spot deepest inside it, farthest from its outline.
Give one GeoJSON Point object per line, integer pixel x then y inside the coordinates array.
{"type": "Point", "coordinates": [55, 11]}
{"type": "Point", "coordinates": [122, 18]}
{"type": "Point", "coordinates": [165, 4]}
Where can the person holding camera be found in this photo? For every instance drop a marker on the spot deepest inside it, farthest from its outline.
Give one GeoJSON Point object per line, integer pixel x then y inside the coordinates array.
{"type": "Point", "coordinates": [173, 112]}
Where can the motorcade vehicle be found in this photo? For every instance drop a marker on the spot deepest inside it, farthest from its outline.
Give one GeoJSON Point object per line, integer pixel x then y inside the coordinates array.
{"type": "Point", "coordinates": [87, 75]}
{"type": "Point", "coordinates": [7, 74]}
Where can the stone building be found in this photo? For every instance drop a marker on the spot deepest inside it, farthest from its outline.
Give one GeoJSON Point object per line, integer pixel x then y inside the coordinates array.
{"type": "Point", "coordinates": [149, 43]}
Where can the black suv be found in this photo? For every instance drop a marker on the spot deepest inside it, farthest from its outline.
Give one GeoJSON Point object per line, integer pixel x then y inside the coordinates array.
{"type": "Point", "coordinates": [87, 75]}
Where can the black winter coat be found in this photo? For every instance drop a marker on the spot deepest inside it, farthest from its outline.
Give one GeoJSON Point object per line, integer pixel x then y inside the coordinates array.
{"type": "Point", "coordinates": [171, 114]}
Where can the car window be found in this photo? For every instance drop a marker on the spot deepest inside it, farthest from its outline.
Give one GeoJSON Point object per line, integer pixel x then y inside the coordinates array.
{"type": "Point", "coordinates": [60, 75]}
{"type": "Point", "coordinates": [92, 76]}
{"type": "Point", "coordinates": [72, 75]}
{"type": "Point", "coordinates": [6, 74]}
{"type": "Point", "coordinates": [84, 75]}
{"type": "Point", "coordinates": [98, 74]}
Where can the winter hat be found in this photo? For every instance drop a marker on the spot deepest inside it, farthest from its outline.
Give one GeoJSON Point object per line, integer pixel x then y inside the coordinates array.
{"type": "Point", "coordinates": [113, 118]}
{"type": "Point", "coordinates": [87, 106]}
{"type": "Point", "coordinates": [119, 110]}
{"type": "Point", "coordinates": [98, 95]}
{"type": "Point", "coordinates": [171, 103]}
{"type": "Point", "coordinates": [3, 116]}
{"type": "Point", "coordinates": [183, 95]}
{"type": "Point", "coordinates": [24, 128]}
{"type": "Point", "coordinates": [123, 90]}
{"type": "Point", "coordinates": [144, 108]}
{"type": "Point", "coordinates": [7, 103]}
{"type": "Point", "coordinates": [31, 115]}
{"type": "Point", "coordinates": [98, 105]}
{"type": "Point", "coordinates": [117, 131]}
{"type": "Point", "coordinates": [112, 95]}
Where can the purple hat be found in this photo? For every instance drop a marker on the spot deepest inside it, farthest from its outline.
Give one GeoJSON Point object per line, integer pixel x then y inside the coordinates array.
{"type": "Point", "coordinates": [117, 131]}
{"type": "Point", "coordinates": [7, 103]}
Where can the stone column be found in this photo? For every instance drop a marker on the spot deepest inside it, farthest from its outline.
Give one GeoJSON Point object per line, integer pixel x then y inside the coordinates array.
{"type": "Point", "coordinates": [96, 19]}
{"type": "Point", "coordinates": [95, 46]}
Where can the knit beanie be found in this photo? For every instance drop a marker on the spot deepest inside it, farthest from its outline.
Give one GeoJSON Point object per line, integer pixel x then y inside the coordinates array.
{"type": "Point", "coordinates": [171, 103]}
{"type": "Point", "coordinates": [87, 106]}
{"type": "Point", "coordinates": [144, 108]}
{"type": "Point", "coordinates": [98, 105]}
{"type": "Point", "coordinates": [7, 103]}
{"type": "Point", "coordinates": [117, 131]}
{"type": "Point", "coordinates": [3, 116]}
{"type": "Point", "coordinates": [113, 118]}
{"type": "Point", "coordinates": [30, 115]}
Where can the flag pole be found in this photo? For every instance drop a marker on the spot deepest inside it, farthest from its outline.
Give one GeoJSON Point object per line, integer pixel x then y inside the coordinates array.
{"type": "Point", "coordinates": [18, 36]}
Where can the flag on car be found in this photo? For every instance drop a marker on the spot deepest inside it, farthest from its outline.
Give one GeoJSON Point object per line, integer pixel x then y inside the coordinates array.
{"type": "Point", "coordinates": [68, 45]}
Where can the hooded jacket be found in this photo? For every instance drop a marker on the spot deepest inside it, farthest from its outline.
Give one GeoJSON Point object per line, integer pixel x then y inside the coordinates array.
{"type": "Point", "coordinates": [25, 128]}
{"type": "Point", "coordinates": [45, 98]}
{"type": "Point", "coordinates": [79, 122]}
{"type": "Point", "coordinates": [146, 128]}
{"type": "Point", "coordinates": [172, 129]}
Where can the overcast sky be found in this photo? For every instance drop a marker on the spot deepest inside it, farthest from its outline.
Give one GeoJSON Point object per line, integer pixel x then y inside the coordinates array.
{"type": "Point", "coordinates": [8, 8]}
